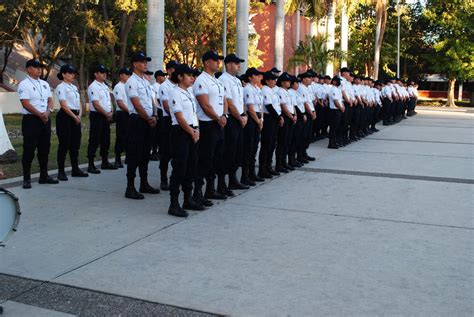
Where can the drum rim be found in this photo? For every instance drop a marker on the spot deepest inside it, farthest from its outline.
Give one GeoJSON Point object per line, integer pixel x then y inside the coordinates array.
{"type": "Point", "coordinates": [17, 216]}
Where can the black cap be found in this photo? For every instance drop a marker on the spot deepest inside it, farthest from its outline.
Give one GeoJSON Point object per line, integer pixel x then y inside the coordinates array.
{"type": "Point", "coordinates": [345, 70]}
{"type": "Point", "coordinates": [242, 77]}
{"type": "Point", "coordinates": [284, 77]}
{"type": "Point", "coordinates": [160, 73]}
{"type": "Point", "coordinates": [125, 71]}
{"type": "Point", "coordinates": [378, 83]}
{"type": "Point", "coordinates": [295, 79]}
{"type": "Point", "coordinates": [100, 69]}
{"type": "Point", "coordinates": [196, 72]}
{"type": "Point", "coordinates": [66, 69]}
{"type": "Point", "coordinates": [252, 71]}
{"type": "Point", "coordinates": [211, 55]}
{"type": "Point", "coordinates": [183, 69]}
{"type": "Point", "coordinates": [304, 75]}
{"type": "Point", "coordinates": [140, 57]}
{"type": "Point", "coordinates": [275, 70]}
{"type": "Point", "coordinates": [336, 79]}
{"type": "Point", "coordinates": [149, 73]}
{"type": "Point", "coordinates": [327, 77]}
{"type": "Point", "coordinates": [34, 63]}
{"type": "Point", "coordinates": [312, 73]}
{"type": "Point", "coordinates": [269, 75]}
{"type": "Point", "coordinates": [172, 64]}
{"type": "Point", "coordinates": [232, 58]}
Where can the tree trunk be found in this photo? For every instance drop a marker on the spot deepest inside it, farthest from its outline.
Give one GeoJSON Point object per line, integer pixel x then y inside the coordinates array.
{"type": "Point", "coordinates": [111, 46]}
{"type": "Point", "coordinates": [460, 91]}
{"type": "Point", "coordinates": [313, 28]}
{"type": "Point", "coordinates": [242, 32]}
{"type": "Point", "coordinates": [125, 30]}
{"type": "Point", "coordinates": [155, 33]}
{"type": "Point", "coordinates": [6, 55]}
{"type": "Point", "coordinates": [450, 102]}
{"type": "Point", "coordinates": [297, 36]}
{"type": "Point", "coordinates": [344, 33]}
{"type": "Point", "coordinates": [330, 31]}
{"type": "Point", "coordinates": [381, 17]}
{"type": "Point", "coordinates": [279, 33]}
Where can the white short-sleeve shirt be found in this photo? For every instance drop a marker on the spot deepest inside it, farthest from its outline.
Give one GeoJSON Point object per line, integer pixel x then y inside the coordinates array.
{"type": "Point", "coordinates": [253, 96]}
{"type": "Point", "coordinates": [36, 91]}
{"type": "Point", "coordinates": [120, 94]}
{"type": "Point", "coordinates": [70, 94]}
{"type": "Point", "coordinates": [156, 90]}
{"type": "Point", "coordinates": [298, 100]}
{"type": "Point", "coordinates": [181, 100]}
{"type": "Point", "coordinates": [285, 99]}
{"type": "Point", "coordinates": [234, 90]}
{"type": "Point", "coordinates": [306, 95]}
{"type": "Point", "coordinates": [335, 94]}
{"type": "Point", "coordinates": [99, 92]}
{"type": "Point", "coordinates": [163, 94]}
{"type": "Point", "coordinates": [206, 84]}
{"type": "Point", "coordinates": [137, 86]}
{"type": "Point", "coordinates": [271, 97]}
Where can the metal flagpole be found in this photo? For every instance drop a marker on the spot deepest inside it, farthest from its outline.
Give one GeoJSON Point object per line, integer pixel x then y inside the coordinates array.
{"type": "Point", "coordinates": [398, 39]}
{"type": "Point", "coordinates": [224, 34]}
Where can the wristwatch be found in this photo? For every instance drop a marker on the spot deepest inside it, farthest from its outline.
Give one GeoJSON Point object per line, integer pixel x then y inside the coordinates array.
{"type": "Point", "coordinates": [225, 115]}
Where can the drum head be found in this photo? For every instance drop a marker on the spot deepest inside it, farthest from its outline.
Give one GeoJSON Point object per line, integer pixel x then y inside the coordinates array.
{"type": "Point", "coordinates": [9, 214]}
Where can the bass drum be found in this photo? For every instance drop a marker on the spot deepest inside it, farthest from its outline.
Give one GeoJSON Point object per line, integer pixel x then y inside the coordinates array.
{"type": "Point", "coordinates": [9, 215]}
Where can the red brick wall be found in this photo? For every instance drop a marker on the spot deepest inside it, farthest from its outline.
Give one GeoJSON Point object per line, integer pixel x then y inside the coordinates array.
{"type": "Point", "coordinates": [265, 25]}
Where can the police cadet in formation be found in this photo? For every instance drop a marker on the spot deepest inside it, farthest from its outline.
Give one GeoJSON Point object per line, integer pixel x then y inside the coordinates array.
{"type": "Point", "coordinates": [212, 115]}
{"type": "Point", "coordinates": [413, 91]}
{"type": "Point", "coordinates": [165, 124]}
{"type": "Point", "coordinates": [296, 141]}
{"type": "Point", "coordinates": [141, 123]}
{"type": "Point", "coordinates": [160, 78]}
{"type": "Point", "coordinates": [68, 122]}
{"type": "Point", "coordinates": [271, 120]}
{"type": "Point", "coordinates": [285, 131]}
{"type": "Point", "coordinates": [336, 109]}
{"type": "Point", "coordinates": [101, 116]}
{"type": "Point", "coordinates": [253, 102]}
{"type": "Point", "coordinates": [236, 122]}
{"type": "Point", "coordinates": [184, 137]}
{"type": "Point", "coordinates": [308, 99]}
{"type": "Point", "coordinates": [37, 102]}
{"type": "Point", "coordinates": [121, 115]}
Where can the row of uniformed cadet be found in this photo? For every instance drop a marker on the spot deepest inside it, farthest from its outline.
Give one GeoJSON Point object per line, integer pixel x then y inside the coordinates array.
{"type": "Point", "coordinates": [208, 126]}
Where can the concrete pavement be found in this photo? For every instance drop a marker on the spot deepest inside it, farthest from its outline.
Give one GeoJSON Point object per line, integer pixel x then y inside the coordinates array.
{"type": "Point", "coordinates": [381, 227]}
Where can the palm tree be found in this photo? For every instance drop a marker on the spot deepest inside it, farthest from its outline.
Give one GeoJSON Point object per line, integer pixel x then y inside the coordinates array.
{"type": "Point", "coordinates": [310, 8]}
{"type": "Point", "coordinates": [312, 53]}
{"type": "Point", "coordinates": [344, 31]}
{"type": "Point", "coordinates": [381, 18]}
{"type": "Point", "coordinates": [279, 33]}
{"type": "Point", "coordinates": [155, 33]}
{"type": "Point", "coordinates": [242, 30]}
{"type": "Point", "coordinates": [330, 31]}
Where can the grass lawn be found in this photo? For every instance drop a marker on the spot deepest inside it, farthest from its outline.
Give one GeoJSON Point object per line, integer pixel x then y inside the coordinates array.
{"type": "Point", "coordinates": [441, 103]}
{"type": "Point", "coordinates": [13, 124]}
